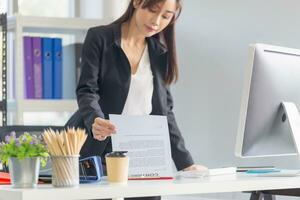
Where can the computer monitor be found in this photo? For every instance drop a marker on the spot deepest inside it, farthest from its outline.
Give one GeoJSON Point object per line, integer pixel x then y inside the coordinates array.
{"type": "Point", "coordinates": [269, 122]}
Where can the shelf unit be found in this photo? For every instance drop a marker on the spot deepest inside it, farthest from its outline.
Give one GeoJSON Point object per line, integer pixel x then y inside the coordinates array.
{"type": "Point", "coordinates": [28, 24]}
{"type": "Point", "coordinates": [3, 101]}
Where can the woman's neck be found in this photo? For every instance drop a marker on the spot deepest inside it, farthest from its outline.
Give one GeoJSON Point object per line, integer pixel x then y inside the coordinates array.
{"type": "Point", "coordinates": [131, 35]}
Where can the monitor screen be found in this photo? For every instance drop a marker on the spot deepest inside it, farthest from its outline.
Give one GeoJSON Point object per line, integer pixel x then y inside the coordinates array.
{"type": "Point", "coordinates": [272, 77]}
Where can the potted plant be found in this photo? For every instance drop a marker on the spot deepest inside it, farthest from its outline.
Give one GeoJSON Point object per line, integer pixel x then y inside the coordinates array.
{"type": "Point", "coordinates": [23, 156]}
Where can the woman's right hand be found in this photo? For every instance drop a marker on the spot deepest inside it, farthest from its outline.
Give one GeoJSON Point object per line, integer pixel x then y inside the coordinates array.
{"type": "Point", "coordinates": [102, 128]}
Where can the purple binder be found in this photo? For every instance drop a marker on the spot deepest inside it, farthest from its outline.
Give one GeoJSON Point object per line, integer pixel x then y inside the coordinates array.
{"type": "Point", "coordinates": [29, 81]}
{"type": "Point", "coordinates": [37, 66]}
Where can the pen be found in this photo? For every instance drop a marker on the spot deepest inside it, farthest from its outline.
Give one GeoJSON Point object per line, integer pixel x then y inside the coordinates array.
{"type": "Point", "coordinates": [246, 168]}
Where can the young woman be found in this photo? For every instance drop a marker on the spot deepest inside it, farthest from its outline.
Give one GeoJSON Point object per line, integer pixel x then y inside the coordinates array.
{"type": "Point", "coordinates": [127, 68]}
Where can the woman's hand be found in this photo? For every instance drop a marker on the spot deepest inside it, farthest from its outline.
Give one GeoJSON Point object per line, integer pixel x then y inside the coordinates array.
{"type": "Point", "coordinates": [195, 168]}
{"type": "Point", "coordinates": [102, 128]}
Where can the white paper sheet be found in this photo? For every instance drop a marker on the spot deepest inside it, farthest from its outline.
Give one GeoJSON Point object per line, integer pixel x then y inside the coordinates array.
{"type": "Point", "coordinates": [147, 140]}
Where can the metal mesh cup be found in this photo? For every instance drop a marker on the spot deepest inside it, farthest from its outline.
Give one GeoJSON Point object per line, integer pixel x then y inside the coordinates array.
{"type": "Point", "coordinates": [65, 171]}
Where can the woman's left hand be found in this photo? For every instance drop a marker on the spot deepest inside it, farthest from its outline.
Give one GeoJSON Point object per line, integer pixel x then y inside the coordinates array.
{"type": "Point", "coordinates": [195, 168]}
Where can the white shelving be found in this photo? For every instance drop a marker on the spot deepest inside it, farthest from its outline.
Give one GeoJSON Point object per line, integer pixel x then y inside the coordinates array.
{"type": "Point", "coordinates": [40, 105]}
{"type": "Point", "coordinates": [52, 25]}
{"type": "Point", "coordinates": [28, 24]}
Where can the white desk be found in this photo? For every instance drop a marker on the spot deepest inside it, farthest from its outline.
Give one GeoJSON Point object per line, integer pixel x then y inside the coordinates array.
{"type": "Point", "coordinates": [101, 190]}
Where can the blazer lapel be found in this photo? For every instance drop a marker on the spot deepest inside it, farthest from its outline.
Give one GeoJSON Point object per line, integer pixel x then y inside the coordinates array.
{"type": "Point", "coordinates": [157, 60]}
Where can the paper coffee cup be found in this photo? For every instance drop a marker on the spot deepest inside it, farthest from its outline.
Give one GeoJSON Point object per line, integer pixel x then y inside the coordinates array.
{"type": "Point", "coordinates": [117, 164]}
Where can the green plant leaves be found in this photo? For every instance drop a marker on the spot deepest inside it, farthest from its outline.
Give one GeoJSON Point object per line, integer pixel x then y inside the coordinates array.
{"type": "Point", "coordinates": [23, 147]}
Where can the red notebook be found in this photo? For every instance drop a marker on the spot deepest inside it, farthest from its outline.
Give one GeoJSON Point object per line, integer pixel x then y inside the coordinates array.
{"type": "Point", "coordinates": [4, 178]}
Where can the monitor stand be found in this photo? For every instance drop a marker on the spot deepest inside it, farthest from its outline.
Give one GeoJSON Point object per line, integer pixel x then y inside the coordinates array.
{"type": "Point", "coordinates": [293, 117]}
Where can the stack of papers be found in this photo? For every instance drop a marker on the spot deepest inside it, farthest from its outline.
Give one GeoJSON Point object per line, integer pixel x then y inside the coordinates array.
{"type": "Point", "coordinates": [193, 174]}
{"type": "Point", "coordinates": [147, 140]}
{"type": "Point", "coordinates": [209, 172]}
{"type": "Point", "coordinates": [222, 171]}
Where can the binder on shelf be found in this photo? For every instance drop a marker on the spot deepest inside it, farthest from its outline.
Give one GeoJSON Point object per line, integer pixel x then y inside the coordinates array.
{"type": "Point", "coordinates": [29, 81]}
{"type": "Point", "coordinates": [69, 82]}
{"type": "Point", "coordinates": [37, 66]}
{"type": "Point", "coordinates": [57, 68]}
{"type": "Point", "coordinates": [47, 68]}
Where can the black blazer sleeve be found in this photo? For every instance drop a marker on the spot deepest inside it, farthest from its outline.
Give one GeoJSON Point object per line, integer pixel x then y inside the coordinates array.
{"type": "Point", "coordinates": [181, 156]}
{"type": "Point", "coordinates": [88, 89]}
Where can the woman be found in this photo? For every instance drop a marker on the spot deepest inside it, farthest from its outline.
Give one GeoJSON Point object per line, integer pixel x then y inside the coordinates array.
{"type": "Point", "coordinates": [127, 68]}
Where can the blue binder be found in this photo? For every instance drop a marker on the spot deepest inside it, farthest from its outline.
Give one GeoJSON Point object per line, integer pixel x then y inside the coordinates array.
{"type": "Point", "coordinates": [47, 68]}
{"type": "Point", "coordinates": [57, 68]}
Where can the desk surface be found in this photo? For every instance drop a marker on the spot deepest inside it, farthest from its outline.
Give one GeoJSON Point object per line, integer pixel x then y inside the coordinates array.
{"type": "Point", "coordinates": [225, 183]}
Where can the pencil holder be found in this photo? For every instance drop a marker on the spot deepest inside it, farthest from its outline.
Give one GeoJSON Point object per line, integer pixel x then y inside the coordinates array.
{"type": "Point", "coordinates": [65, 171]}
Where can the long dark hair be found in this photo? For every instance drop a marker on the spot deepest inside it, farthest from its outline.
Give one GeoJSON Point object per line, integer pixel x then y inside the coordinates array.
{"type": "Point", "coordinates": [167, 36]}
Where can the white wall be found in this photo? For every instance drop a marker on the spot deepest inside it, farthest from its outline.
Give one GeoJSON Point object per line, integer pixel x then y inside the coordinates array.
{"type": "Point", "coordinates": [213, 38]}
{"type": "Point", "coordinates": [44, 8]}
{"type": "Point", "coordinates": [3, 6]}
{"type": "Point", "coordinates": [110, 9]}
{"type": "Point", "coordinates": [90, 8]}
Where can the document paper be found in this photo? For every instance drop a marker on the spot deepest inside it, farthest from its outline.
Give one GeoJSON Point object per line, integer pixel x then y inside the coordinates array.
{"type": "Point", "coordinates": [147, 140]}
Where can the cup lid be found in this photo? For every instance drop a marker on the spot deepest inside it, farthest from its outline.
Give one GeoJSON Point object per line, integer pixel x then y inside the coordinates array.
{"type": "Point", "coordinates": [117, 154]}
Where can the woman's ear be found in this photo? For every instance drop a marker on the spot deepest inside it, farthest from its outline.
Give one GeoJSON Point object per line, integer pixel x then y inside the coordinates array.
{"type": "Point", "coordinates": [137, 3]}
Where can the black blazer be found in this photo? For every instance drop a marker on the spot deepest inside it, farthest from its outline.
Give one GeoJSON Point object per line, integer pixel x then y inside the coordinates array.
{"type": "Point", "coordinates": [104, 85]}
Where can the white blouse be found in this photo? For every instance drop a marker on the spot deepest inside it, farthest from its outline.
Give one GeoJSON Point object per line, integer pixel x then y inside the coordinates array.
{"type": "Point", "coordinates": [139, 99]}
